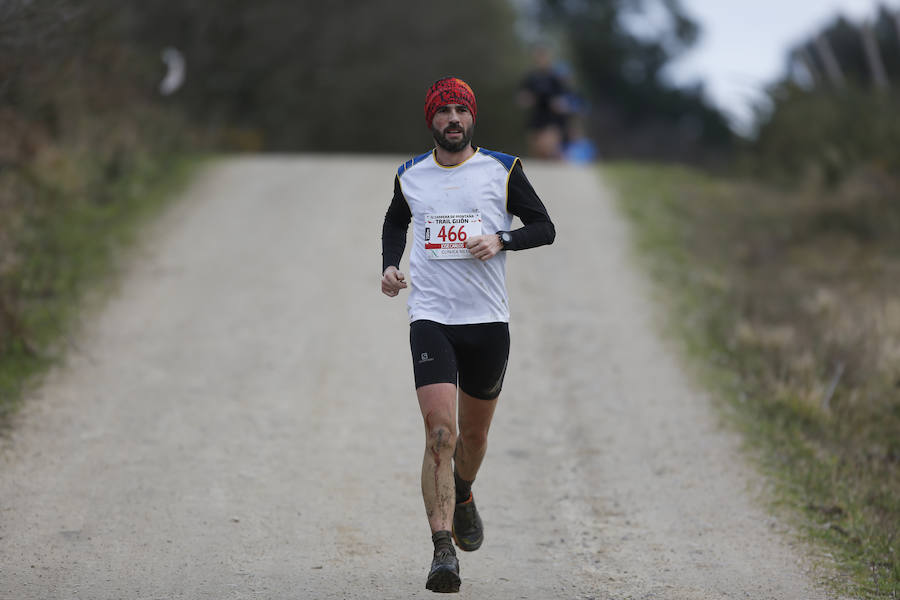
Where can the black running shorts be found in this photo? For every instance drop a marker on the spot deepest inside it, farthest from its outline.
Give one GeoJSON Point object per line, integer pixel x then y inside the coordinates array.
{"type": "Point", "coordinates": [477, 354]}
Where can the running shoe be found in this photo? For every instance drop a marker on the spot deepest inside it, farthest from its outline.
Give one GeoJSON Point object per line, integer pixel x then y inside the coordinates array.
{"type": "Point", "coordinates": [444, 574]}
{"type": "Point", "coordinates": [467, 529]}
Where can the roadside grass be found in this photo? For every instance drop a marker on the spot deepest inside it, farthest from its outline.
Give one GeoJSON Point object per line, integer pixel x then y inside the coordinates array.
{"type": "Point", "coordinates": [70, 219]}
{"type": "Point", "coordinates": [788, 305]}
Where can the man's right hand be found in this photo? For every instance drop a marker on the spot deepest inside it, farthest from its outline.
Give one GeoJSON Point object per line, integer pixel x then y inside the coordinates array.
{"type": "Point", "coordinates": [392, 281]}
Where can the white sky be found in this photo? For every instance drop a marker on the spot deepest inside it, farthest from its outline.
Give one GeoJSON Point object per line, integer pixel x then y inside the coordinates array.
{"type": "Point", "coordinates": [744, 44]}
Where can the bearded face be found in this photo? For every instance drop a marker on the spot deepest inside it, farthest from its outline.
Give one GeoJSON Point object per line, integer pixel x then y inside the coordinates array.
{"type": "Point", "coordinates": [454, 137]}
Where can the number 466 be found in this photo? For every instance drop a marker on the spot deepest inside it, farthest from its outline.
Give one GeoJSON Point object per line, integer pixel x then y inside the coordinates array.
{"type": "Point", "coordinates": [452, 234]}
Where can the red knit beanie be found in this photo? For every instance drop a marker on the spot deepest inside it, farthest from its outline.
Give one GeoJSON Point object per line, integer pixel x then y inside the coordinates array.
{"type": "Point", "coordinates": [449, 90]}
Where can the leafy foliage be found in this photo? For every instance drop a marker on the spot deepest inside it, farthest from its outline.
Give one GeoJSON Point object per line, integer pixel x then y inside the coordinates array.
{"type": "Point", "coordinates": [84, 147]}
{"type": "Point", "coordinates": [338, 76]}
{"type": "Point", "coordinates": [828, 135]}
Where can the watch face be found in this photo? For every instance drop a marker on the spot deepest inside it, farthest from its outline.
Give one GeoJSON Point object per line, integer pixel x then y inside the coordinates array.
{"type": "Point", "coordinates": [505, 237]}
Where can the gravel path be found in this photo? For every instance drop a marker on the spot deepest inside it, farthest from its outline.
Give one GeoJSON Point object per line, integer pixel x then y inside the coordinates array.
{"type": "Point", "coordinates": [239, 421]}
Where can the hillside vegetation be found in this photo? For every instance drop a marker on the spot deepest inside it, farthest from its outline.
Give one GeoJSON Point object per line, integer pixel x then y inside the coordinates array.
{"type": "Point", "coordinates": [789, 304]}
{"type": "Point", "coordinates": [784, 282]}
{"type": "Point", "coordinates": [91, 143]}
{"type": "Point", "coordinates": [91, 137]}
{"type": "Point", "coordinates": [84, 153]}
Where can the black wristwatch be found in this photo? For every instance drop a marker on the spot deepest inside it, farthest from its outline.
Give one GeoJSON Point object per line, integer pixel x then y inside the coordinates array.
{"type": "Point", "coordinates": [505, 239]}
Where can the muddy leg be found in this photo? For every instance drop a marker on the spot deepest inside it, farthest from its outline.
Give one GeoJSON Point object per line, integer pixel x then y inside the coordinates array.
{"type": "Point", "coordinates": [438, 405]}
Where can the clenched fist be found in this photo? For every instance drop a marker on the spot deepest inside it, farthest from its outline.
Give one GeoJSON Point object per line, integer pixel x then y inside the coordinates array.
{"type": "Point", "coordinates": [392, 281]}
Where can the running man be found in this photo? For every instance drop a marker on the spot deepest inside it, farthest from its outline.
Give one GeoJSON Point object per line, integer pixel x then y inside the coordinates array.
{"type": "Point", "coordinates": [461, 200]}
{"type": "Point", "coordinates": [545, 93]}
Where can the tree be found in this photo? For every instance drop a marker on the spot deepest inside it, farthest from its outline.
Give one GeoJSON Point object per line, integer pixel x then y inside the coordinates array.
{"type": "Point", "coordinates": [342, 76]}
{"type": "Point", "coordinates": [838, 117]}
{"type": "Point", "coordinates": [842, 42]}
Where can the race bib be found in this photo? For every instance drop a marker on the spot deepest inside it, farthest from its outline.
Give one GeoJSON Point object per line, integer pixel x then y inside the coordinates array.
{"type": "Point", "coordinates": [445, 235]}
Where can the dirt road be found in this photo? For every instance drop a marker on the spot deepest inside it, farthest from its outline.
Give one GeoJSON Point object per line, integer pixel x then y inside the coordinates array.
{"type": "Point", "coordinates": [239, 421]}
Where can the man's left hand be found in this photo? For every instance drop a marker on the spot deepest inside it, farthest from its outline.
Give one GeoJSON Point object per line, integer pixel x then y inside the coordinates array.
{"type": "Point", "coordinates": [484, 247]}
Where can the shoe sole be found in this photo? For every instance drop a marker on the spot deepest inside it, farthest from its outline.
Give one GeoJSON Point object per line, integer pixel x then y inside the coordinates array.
{"type": "Point", "coordinates": [467, 547]}
{"type": "Point", "coordinates": [443, 581]}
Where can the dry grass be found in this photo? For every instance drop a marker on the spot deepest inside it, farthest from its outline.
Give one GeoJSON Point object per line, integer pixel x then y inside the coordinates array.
{"type": "Point", "coordinates": [791, 301]}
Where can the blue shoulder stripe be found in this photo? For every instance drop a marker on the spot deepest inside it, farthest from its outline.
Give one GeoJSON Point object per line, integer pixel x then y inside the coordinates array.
{"type": "Point", "coordinates": [413, 161]}
{"type": "Point", "coordinates": [506, 160]}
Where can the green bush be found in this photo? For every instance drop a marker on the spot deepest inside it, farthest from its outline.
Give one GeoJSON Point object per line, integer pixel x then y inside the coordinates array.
{"type": "Point", "coordinates": [828, 135]}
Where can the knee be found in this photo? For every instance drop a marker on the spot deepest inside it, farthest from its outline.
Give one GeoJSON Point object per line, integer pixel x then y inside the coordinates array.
{"type": "Point", "coordinates": [474, 439]}
{"type": "Point", "coordinates": [441, 438]}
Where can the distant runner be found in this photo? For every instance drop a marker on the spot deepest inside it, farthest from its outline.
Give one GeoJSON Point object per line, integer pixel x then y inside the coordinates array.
{"type": "Point", "coordinates": [545, 94]}
{"type": "Point", "coordinates": [461, 200]}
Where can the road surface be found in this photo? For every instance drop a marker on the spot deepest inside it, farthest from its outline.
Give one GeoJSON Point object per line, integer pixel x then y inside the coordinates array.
{"type": "Point", "coordinates": [239, 420]}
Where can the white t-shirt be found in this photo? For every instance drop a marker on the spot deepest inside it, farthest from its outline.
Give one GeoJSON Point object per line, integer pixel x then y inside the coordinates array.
{"type": "Point", "coordinates": [449, 203]}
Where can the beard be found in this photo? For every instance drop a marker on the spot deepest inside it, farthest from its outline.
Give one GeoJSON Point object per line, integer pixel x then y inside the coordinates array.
{"type": "Point", "coordinates": [441, 138]}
